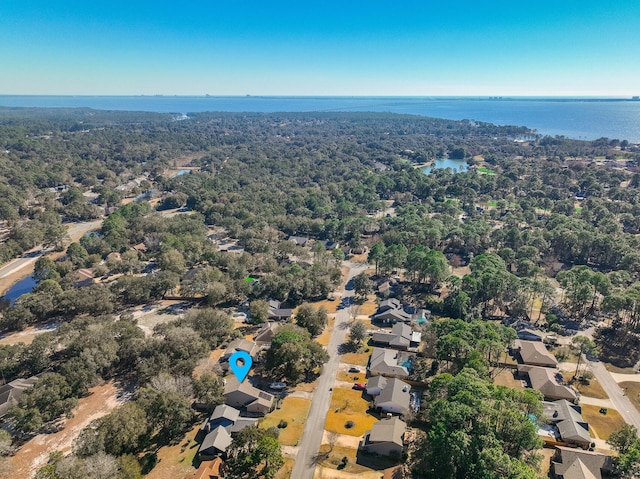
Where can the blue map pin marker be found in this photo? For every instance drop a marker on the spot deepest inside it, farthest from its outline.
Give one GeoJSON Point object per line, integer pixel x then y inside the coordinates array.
{"type": "Point", "coordinates": [240, 363]}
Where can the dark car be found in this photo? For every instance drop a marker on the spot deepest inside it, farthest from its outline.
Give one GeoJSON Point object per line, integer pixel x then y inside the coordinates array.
{"type": "Point", "coordinates": [354, 370]}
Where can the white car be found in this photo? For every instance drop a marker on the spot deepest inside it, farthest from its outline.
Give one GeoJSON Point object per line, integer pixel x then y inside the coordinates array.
{"type": "Point", "coordinates": [277, 386]}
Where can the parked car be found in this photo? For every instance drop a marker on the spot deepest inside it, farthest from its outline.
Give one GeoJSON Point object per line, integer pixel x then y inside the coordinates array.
{"type": "Point", "coordinates": [277, 386]}
{"type": "Point", "coordinates": [354, 370]}
{"type": "Point", "coordinates": [359, 387]}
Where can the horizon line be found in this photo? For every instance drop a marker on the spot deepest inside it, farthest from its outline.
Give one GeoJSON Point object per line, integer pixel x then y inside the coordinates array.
{"type": "Point", "coordinates": [206, 95]}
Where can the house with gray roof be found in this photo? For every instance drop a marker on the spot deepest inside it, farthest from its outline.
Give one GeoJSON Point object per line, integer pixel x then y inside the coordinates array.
{"type": "Point", "coordinates": [240, 345]}
{"type": "Point", "coordinates": [375, 385]}
{"type": "Point", "coordinates": [391, 311]}
{"type": "Point", "coordinates": [385, 438]}
{"type": "Point", "coordinates": [10, 393]}
{"type": "Point", "coordinates": [223, 422]}
{"type": "Point", "coordinates": [215, 443]}
{"type": "Point", "coordinates": [573, 463]}
{"type": "Point", "coordinates": [244, 395]}
{"type": "Point", "coordinates": [277, 312]}
{"type": "Point", "coordinates": [401, 337]}
{"type": "Point", "coordinates": [546, 381]}
{"type": "Point", "coordinates": [567, 418]}
{"type": "Point", "coordinates": [394, 397]}
{"type": "Point", "coordinates": [389, 363]}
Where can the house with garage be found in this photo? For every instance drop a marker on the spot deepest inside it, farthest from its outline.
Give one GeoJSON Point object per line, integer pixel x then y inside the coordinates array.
{"type": "Point", "coordinates": [567, 419]}
{"type": "Point", "coordinates": [573, 463]}
{"type": "Point", "coordinates": [277, 312]}
{"type": "Point", "coordinates": [390, 363]}
{"type": "Point", "coordinates": [534, 353]}
{"type": "Point", "coordinates": [394, 397]}
{"type": "Point", "coordinates": [386, 438]}
{"type": "Point", "coordinates": [547, 381]}
{"type": "Point", "coordinates": [401, 336]}
{"type": "Point", "coordinates": [391, 311]}
{"type": "Point", "coordinates": [243, 395]}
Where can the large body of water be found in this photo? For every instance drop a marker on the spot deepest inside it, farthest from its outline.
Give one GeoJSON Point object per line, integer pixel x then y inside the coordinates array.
{"type": "Point", "coordinates": [580, 118]}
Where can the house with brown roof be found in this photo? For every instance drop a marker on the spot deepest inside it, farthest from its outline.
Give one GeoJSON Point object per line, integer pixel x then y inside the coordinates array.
{"type": "Point", "coordinates": [209, 470]}
{"type": "Point", "coordinates": [534, 353]}
{"type": "Point", "coordinates": [266, 333]}
{"type": "Point", "coordinates": [572, 463]}
{"type": "Point", "coordinates": [546, 381]}
{"type": "Point", "coordinates": [244, 395]}
{"type": "Point", "coordinates": [385, 438]}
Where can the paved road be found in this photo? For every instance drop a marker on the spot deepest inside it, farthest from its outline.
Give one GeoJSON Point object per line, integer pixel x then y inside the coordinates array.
{"type": "Point", "coordinates": [75, 230]}
{"type": "Point", "coordinates": [619, 400]}
{"type": "Point", "coordinates": [304, 466]}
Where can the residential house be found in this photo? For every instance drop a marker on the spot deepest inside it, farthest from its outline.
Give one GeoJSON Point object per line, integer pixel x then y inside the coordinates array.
{"type": "Point", "coordinates": [385, 438]}
{"type": "Point", "coordinates": [389, 363]}
{"type": "Point", "coordinates": [535, 353]}
{"type": "Point", "coordinates": [224, 421]}
{"type": "Point", "coordinates": [266, 333]}
{"type": "Point", "coordinates": [567, 418]}
{"type": "Point", "coordinates": [299, 240]}
{"type": "Point", "coordinates": [277, 312]}
{"type": "Point", "coordinates": [572, 463]}
{"type": "Point", "coordinates": [394, 397]}
{"type": "Point", "coordinates": [244, 395]}
{"type": "Point", "coordinates": [401, 337]}
{"type": "Point", "coordinates": [330, 245]}
{"type": "Point", "coordinates": [529, 334]}
{"type": "Point", "coordinates": [240, 345]}
{"type": "Point", "coordinates": [215, 443]}
{"type": "Point", "coordinates": [10, 393]}
{"type": "Point", "coordinates": [545, 380]}
{"type": "Point", "coordinates": [390, 311]}
{"type": "Point", "coordinates": [375, 385]}
{"type": "Point", "coordinates": [84, 277]}
{"type": "Point", "coordinates": [209, 470]}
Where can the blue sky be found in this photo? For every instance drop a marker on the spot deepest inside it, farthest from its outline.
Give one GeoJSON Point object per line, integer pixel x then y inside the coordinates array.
{"type": "Point", "coordinates": [560, 47]}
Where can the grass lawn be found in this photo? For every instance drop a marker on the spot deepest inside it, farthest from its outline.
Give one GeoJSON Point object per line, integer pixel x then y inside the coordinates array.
{"type": "Point", "coordinates": [358, 464]}
{"type": "Point", "coordinates": [348, 405]}
{"type": "Point", "coordinates": [359, 358]}
{"type": "Point", "coordinates": [360, 377]}
{"type": "Point", "coordinates": [285, 471]}
{"type": "Point", "coordinates": [486, 171]}
{"type": "Point", "coordinates": [326, 334]}
{"type": "Point", "coordinates": [306, 387]}
{"type": "Point", "coordinates": [602, 424]}
{"type": "Point", "coordinates": [505, 378]}
{"type": "Point", "coordinates": [294, 411]}
{"type": "Point", "coordinates": [492, 203]}
{"type": "Point", "coordinates": [179, 460]}
{"type": "Point", "coordinates": [632, 391]}
{"type": "Point", "coordinates": [592, 390]}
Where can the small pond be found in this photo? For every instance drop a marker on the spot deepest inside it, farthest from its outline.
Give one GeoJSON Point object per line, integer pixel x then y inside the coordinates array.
{"type": "Point", "coordinates": [455, 165]}
{"type": "Point", "coordinates": [21, 287]}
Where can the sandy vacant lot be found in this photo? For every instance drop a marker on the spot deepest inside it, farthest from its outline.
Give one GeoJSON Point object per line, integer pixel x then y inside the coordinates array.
{"type": "Point", "coordinates": [35, 453]}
